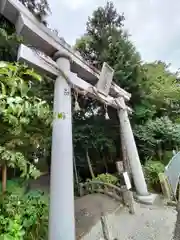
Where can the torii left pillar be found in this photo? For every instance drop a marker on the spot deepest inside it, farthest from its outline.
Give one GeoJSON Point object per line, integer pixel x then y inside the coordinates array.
{"type": "Point", "coordinates": [61, 219]}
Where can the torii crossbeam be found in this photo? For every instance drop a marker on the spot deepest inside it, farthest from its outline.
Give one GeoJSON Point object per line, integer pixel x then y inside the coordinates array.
{"type": "Point", "coordinates": [70, 70]}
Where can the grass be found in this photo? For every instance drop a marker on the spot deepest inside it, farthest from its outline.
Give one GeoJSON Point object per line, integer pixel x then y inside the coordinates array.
{"type": "Point", "coordinates": [16, 186]}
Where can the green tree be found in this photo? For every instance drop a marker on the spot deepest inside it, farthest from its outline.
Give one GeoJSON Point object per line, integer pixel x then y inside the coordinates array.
{"type": "Point", "coordinates": [94, 142]}
{"type": "Point", "coordinates": [156, 117]}
{"type": "Point", "coordinates": [161, 92]}
{"type": "Point", "coordinates": [157, 136]}
{"type": "Point", "coordinates": [154, 89]}
{"type": "Point", "coordinates": [106, 40]}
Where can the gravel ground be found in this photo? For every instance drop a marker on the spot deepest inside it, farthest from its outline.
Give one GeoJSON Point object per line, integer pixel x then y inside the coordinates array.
{"type": "Point", "coordinates": [88, 211]}
{"type": "Point", "coordinates": [149, 223]}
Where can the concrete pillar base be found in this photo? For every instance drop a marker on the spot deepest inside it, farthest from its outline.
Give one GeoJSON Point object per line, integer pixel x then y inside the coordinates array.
{"type": "Point", "coordinates": [149, 199]}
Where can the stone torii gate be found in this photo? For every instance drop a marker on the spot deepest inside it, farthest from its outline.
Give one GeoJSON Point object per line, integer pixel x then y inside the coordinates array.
{"type": "Point", "coordinates": [70, 71]}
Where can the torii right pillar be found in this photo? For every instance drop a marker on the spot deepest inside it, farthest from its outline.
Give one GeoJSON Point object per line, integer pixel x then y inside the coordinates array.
{"type": "Point", "coordinates": [132, 154]}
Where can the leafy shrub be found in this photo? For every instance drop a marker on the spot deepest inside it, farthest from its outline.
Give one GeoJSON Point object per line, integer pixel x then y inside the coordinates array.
{"type": "Point", "coordinates": [167, 156]}
{"type": "Point", "coordinates": [23, 217]}
{"type": "Point", "coordinates": [24, 118]}
{"type": "Point", "coordinates": [106, 178]}
{"type": "Point", "coordinates": [151, 171]}
{"type": "Point", "coordinates": [160, 133]}
{"type": "Point", "coordinates": [14, 186]}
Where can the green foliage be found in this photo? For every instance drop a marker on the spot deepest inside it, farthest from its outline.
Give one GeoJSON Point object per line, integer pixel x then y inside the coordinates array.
{"type": "Point", "coordinates": [96, 135]}
{"type": "Point", "coordinates": [23, 217]}
{"type": "Point", "coordinates": [9, 41]}
{"type": "Point", "coordinates": [38, 8]}
{"type": "Point", "coordinates": [93, 137]}
{"type": "Point", "coordinates": [159, 134]}
{"type": "Point", "coordinates": [152, 170]}
{"type": "Point", "coordinates": [25, 124]}
{"type": "Point", "coordinates": [162, 84]}
{"type": "Point", "coordinates": [161, 92]}
{"type": "Point", "coordinates": [20, 112]}
{"type": "Point", "coordinates": [167, 156]}
{"type": "Point", "coordinates": [14, 186]}
{"type": "Point", "coordinates": [156, 117]}
{"type": "Point", "coordinates": [106, 178]}
{"type": "Point", "coordinates": [104, 24]}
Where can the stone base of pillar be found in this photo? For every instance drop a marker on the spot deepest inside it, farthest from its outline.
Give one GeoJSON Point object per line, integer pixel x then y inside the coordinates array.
{"type": "Point", "coordinates": [149, 199]}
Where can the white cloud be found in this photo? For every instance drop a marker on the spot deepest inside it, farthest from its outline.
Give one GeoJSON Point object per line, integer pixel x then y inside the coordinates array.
{"type": "Point", "coordinates": [154, 25]}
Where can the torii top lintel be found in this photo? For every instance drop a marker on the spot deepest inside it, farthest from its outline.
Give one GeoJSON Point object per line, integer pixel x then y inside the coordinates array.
{"type": "Point", "coordinates": [39, 36]}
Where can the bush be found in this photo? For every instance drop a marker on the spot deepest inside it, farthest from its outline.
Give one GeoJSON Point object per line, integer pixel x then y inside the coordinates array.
{"type": "Point", "coordinates": [151, 171]}
{"type": "Point", "coordinates": [167, 156]}
{"type": "Point", "coordinates": [14, 186]}
{"type": "Point", "coordinates": [106, 178]}
{"type": "Point", "coordinates": [24, 217]}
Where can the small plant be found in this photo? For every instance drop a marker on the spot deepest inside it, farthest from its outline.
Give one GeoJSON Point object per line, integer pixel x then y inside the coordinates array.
{"type": "Point", "coordinates": [151, 171]}
{"type": "Point", "coordinates": [106, 178]}
{"type": "Point", "coordinates": [24, 217]}
{"type": "Point", "coordinates": [13, 227]}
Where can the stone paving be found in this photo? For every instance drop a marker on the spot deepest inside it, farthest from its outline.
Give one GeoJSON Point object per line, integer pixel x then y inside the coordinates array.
{"type": "Point", "coordinates": [149, 223]}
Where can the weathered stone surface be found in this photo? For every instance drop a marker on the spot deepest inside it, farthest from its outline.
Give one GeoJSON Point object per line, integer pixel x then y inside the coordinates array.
{"type": "Point", "coordinates": [149, 223]}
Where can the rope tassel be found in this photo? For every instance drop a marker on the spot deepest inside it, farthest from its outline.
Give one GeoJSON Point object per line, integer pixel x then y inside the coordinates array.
{"type": "Point", "coordinates": [76, 106]}
{"type": "Point", "coordinates": [106, 113]}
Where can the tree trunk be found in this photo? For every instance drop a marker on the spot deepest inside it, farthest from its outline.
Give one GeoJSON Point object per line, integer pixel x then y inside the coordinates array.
{"type": "Point", "coordinates": [4, 178]}
{"type": "Point", "coordinates": [89, 164]}
{"type": "Point", "coordinates": [105, 163]}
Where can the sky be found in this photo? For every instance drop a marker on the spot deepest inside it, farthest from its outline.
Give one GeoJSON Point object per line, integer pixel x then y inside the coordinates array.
{"type": "Point", "coordinates": [154, 25]}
